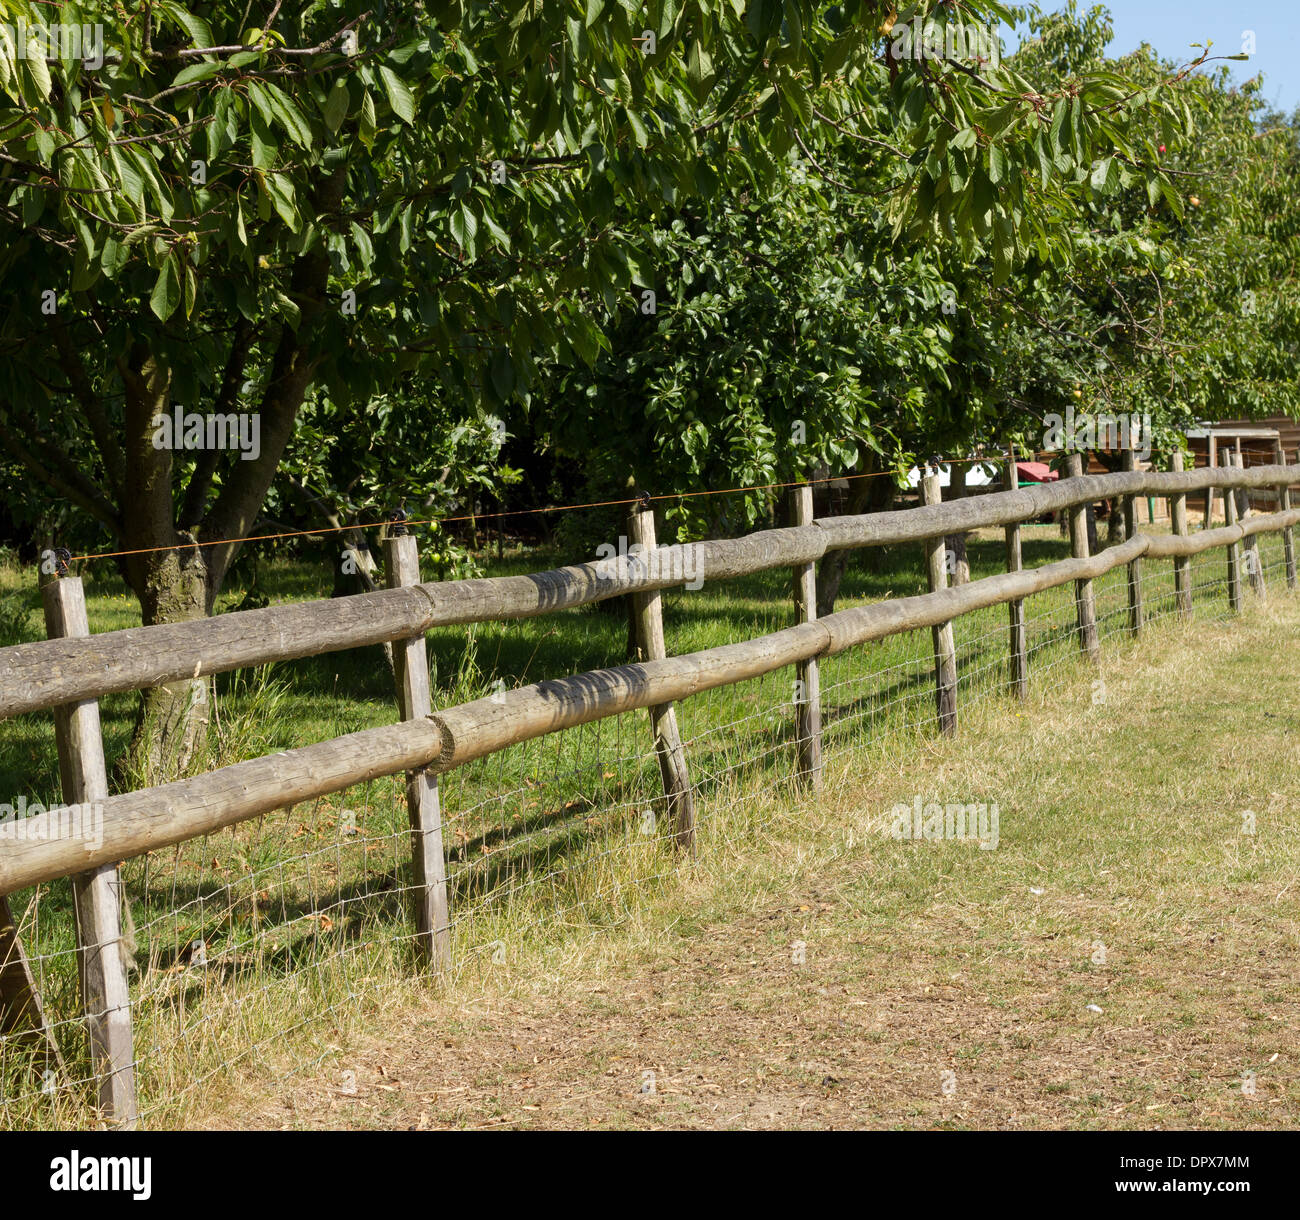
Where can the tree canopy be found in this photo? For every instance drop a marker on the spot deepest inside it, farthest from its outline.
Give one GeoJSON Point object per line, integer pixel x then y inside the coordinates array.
{"type": "Point", "coordinates": [692, 242]}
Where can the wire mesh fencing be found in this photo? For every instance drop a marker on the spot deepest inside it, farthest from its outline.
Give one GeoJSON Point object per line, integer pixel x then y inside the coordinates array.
{"type": "Point", "coordinates": [260, 948]}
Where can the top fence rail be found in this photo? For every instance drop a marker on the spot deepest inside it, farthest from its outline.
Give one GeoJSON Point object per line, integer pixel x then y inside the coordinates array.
{"type": "Point", "coordinates": [50, 673]}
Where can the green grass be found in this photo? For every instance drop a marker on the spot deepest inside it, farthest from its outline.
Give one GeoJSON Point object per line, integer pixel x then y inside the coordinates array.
{"type": "Point", "coordinates": [300, 919]}
{"type": "Point", "coordinates": [1121, 826]}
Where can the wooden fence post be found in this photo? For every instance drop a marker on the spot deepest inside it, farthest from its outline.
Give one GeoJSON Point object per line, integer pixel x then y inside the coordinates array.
{"type": "Point", "coordinates": [1083, 597]}
{"type": "Point", "coordinates": [1134, 568]}
{"type": "Point", "coordinates": [1254, 565]}
{"type": "Point", "coordinates": [96, 894]}
{"type": "Point", "coordinates": [1234, 550]}
{"type": "Point", "coordinates": [808, 696]}
{"type": "Point", "coordinates": [648, 611]}
{"type": "Point", "coordinates": [1211, 460]}
{"type": "Point", "coordinates": [423, 805]}
{"type": "Point", "coordinates": [1182, 563]}
{"type": "Point", "coordinates": [1016, 608]}
{"type": "Point", "coordinates": [1284, 506]}
{"type": "Point", "coordinates": [945, 650]}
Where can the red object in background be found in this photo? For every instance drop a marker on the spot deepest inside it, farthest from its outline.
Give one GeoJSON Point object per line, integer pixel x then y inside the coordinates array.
{"type": "Point", "coordinates": [1036, 472]}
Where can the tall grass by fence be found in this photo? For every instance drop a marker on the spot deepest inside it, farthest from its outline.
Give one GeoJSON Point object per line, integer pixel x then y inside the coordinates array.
{"type": "Point", "coordinates": [534, 807]}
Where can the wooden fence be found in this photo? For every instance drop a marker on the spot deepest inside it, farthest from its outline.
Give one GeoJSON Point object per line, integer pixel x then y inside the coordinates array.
{"type": "Point", "coordinates": [70, 671]}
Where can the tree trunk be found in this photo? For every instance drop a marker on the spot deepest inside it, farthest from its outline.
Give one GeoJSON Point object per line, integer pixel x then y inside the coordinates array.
{"type": "Point", "coordinates": [167, 573]}
{"type": "Point", "coordinates": [1116, 526]}
{"type": "Point", "coordinates": [354, 572]}
{"type": "Point", "coordinates": [171, 722]}
{"type": "Point", "coordinates": [869, 495]}
{"type": "Point", "coordinates": [175, 580]}
{"type": "Point", "coordinates": [156, 530]}
{"type": "Point", "coordinates": [958, 564]}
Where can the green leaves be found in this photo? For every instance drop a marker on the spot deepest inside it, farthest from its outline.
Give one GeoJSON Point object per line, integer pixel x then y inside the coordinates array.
{"type": "Point", "coordinates": [277, 193]}
{"type": "Point", "coordinates": [797, 101]}
{"type": "Point", "coordinates": [839, 51]}
{"type": "Point", "coordinates": [699, 71]}
{"type": "Point", "coordinates": [335, 110]}
{"type": "Point", "coordinates": [1059, 114]}
{"type": "Point", "coordinates": [400, 98]}
{"type": "Point", "coordinates": [502, 372]}
{"type": "Point", "coordinates": [464, 228]}
{"type": "Point", "coordinates": [196, 72]}
{"type": "Point", "coordinates": [816, 269]}
{"type": "Point", "coordinates": [1105, 175]}
{"type": "Point", "coordinates": [640, 268]}
{"type": "Point", "coordinates": [166, 293]}
{"type": "Point", "coordinates": [639, 134]}
{"type": "Point", "coordinates": [1002, 119]}
{"type": "Point", "coordinates": [190, 288]}
{"type": "Point", "coordinates": [587, 339]}
{"type": "Point", "coordinates": [997, 164]}
{"type": "Point", "coordinates": [38, 74]}
{"type": "Point", "coordinates": [196, 27]}
{"type": "Point", "coordinates": [667, 18]}
{"type": "Point", "coordinates": [275, 106]}
{"type": "Point", "coordinates": [1045, 166]}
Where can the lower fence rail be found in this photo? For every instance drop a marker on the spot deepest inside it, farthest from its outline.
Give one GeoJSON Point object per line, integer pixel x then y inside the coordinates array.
{"type": "Point", "coordinates": [310, 912]}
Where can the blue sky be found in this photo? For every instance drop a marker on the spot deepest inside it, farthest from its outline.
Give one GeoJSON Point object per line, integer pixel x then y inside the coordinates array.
{"type": "Point", "coordinates": [1172, 25]}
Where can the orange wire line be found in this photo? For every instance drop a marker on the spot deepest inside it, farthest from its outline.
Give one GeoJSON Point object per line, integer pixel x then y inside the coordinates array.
{"type": "Point", "coordinates": [526, 512]}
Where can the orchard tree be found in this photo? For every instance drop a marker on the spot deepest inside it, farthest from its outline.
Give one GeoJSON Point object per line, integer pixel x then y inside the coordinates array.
{"type": "Point", "coordinates": [232, 208]}
{"type": "Point", "coordinates": [812, 326]}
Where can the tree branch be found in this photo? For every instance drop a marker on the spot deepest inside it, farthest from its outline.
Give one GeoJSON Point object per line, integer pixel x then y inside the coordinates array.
{"type": "Point", "coordinates": [196, 493]}
{"type": "Point", "coordinates": [109, 446]}
{"type": "Point", "coordinates": [66, 480]}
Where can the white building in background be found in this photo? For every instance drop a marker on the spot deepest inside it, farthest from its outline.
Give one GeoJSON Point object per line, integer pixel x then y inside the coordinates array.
{"type": "Point", "coordinates": [977, 475]}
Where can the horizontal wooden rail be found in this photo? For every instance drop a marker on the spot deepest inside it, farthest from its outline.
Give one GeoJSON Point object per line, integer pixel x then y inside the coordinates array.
{"type": "Point", "coordinates": [1162, 546]}
{"type": "Point", "coordinates": [48, 673]}
{"type": "Point", "coordinates": [1008, 507]}
{"type": "Point", "coordinates": [137, 822]}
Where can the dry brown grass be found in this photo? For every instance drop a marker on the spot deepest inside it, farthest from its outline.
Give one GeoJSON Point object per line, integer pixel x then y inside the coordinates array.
{"type": "Point", "coordinates": [1121, 826]}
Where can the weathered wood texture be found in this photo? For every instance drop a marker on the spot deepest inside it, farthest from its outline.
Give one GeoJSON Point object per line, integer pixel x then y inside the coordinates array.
{"type": "Point", "coordinates": [648, 611]}
{"type": "Point", "coordinates": [1016, 607]}
{"type": "Point", "coordinates": [1213, 459]}
{"type": "Point", "coordinates": [1251, 560]}
{"type": "Point", "coordinates": [1165, 546]}
{"type": "Point", "coordinates": [808, 690]}
{"type": "Point", "coordinates": [1232, 515]}
{"type": "Point", "coordinates": [158, 817]}
{"type": "Point", "coordinates": [49, 672]}
{"type": "Point", "coordinates": [945, 651]}
{"type": "Point", "coordinates": [1182, 564]}
{"type": "Point", "coordinates": [1027, 503]}
{"type": "Point", "coordinates": [428, 864]}
{"type": "Point", "coordinates": [1135, 613]}
{"type": "Point", "coordinates": [1085, 603]}
{"type": "Point", "coordinates": [96, 892]}
{"type": "Point", "coordinates": [1284, 504]}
